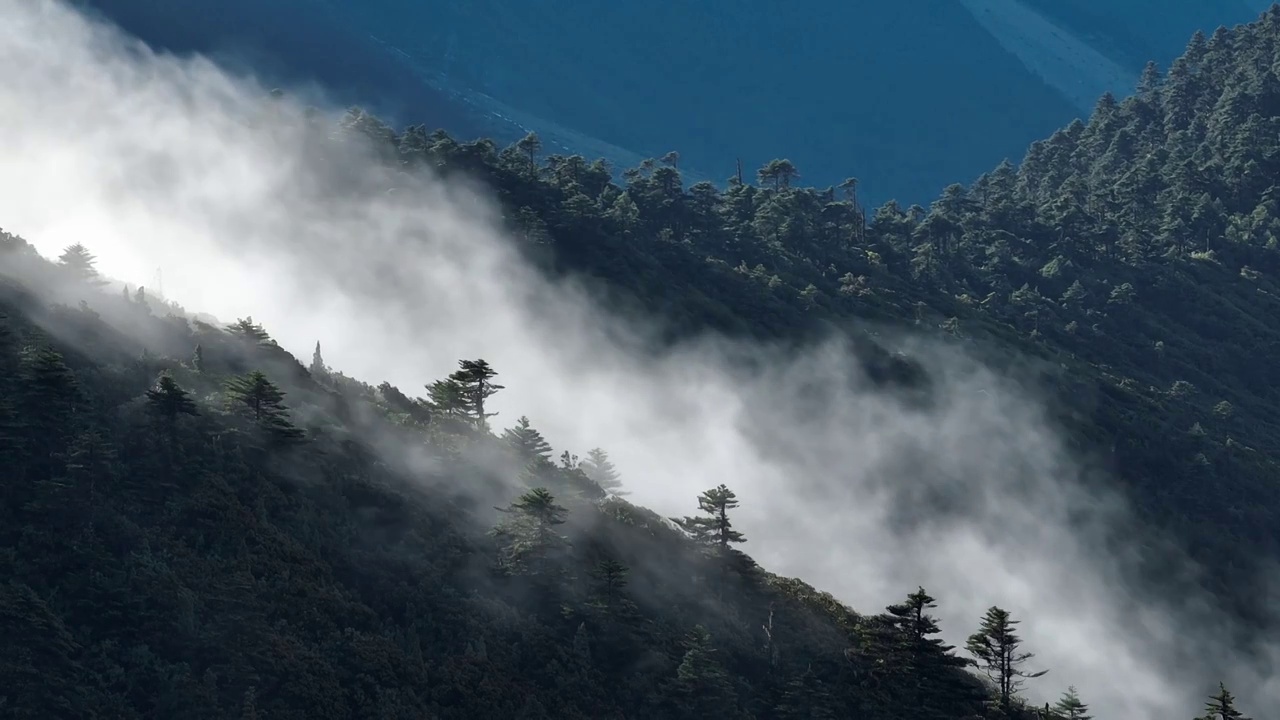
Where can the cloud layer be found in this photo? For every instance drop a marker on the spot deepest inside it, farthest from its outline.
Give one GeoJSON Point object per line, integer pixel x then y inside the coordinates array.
{"type": "Point", "coordinates": [163, 163]}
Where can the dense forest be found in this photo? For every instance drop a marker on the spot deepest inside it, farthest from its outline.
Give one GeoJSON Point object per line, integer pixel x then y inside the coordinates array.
{"type": "Point", "coordinates": [207, 527]}
{"type": "Point", "coordinates": [196, 524]}
{"type": "Point", "coordinates": [1137, 252]}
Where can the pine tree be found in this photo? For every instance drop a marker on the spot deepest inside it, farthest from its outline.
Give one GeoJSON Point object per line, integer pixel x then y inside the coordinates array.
{"type": "Point", "coordinates": [602, 472]}
{"type": "Point", "coordinates": [530, 145]}
{"type": "Point", "coordinates": [462, 395]}
{"type": "Point", "coordinates": [714, 528]}
{"type": "Point", "coordinates": [996, 648]}
{"type": "Point", "coordinates": [264, 403]}
{"type": "Point", "coordinates": [1222, 706]}
{"type": "Point", "coordinates": [475, 377]}
{"type": "Point", "coordinates": [418, 410]}
{"type": "Point", "coordinates": [197, 359]}
{"type": "Point", "coordinates": [910, 673]}
{"type": "Point", "coordinates": [318, 368]}
{"type": "Point", "coordinates": [1150, 80]}
{"type": "Point", "coordinates": [447, 399]}
{"type": "Point", "coordinates": [935, 684]}
{"type": "Point", "coordinates": [530, 535]}
{"type": "Point", "coordinates": [168, 401]}
{"type": "Point", "coordinates": [527, 443]}
{"type": "Point", "coordinates": [611, 579]}
{"type": "Point", "coordinates": [246, 330]}
{"type": "Point", "coordinates": [1069, 707]}
{"type": "Point", "coordinates": [78, 261]}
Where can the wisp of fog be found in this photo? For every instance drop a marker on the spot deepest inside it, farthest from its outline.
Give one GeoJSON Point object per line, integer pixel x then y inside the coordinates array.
{"type": "Point", "coordinates": [170, 164]}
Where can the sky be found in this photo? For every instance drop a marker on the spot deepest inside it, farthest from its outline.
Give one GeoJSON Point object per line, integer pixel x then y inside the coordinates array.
{"type": "Point", "coordinates": [156, 162]}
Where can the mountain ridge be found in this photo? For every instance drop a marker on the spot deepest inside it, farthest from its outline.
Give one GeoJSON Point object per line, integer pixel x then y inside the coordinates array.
{"type": "Point", "coordinates": [756, 88]}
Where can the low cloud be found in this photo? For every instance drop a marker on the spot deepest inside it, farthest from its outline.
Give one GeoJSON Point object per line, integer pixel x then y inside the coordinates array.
{"type": "Point", "coordinates": [160, 163]}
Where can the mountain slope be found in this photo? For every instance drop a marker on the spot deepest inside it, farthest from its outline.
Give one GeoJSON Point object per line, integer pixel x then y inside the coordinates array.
{"type": "Point", "coordinates": [1135, 252]}
{"type": "Point", "coordinates": [179, 542]}
{"type": "Point", "coordinates": [909, 95]}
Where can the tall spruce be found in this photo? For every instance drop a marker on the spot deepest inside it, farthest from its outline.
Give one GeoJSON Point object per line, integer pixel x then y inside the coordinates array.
{"type": "Point", "coordinates": [527, 443]}
{"type": "Point", "coordinates": [168, 402]}
{"type": "Point", "coordinates": [1222, 706]}
{"type": "Point", "coordinates": [81, 264]}
{"type": "Point", "coordinates": [529, 536]}
{"type": "Point", "coordinates": [462, 395]}
{"type": "Point", "coordinates": [600, 470]}
{"type": "Point", "coordinates": [263, 402]}
{"type": "Point", "coordinates": [714, 528]}
{"type": "Point", "coordinates": [932, 684]}
{"type": "Point", "coordinates": [318, 369]}
{"type": "Point", "coordinates": [1070, 707]}
{"type": "Point", "coordinates": [997, 648]}
{"type": "Point", "coordinates": [475, 377]}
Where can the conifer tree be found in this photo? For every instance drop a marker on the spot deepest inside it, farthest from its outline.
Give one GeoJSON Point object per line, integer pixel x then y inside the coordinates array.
{"type": "Point", "coordinates": [462, 395]}
{"type": "Point", "coordinates": [81, 264]}
{"type": "Point", "coordinates": [602, 472]}
{"type": "Point", "coordinates": [247, 330]}
{"type": "Point", "coordinates": [934, 684]}
{"type": "Point", "coordinates": [264, 403]}
{"type": "Point", "coordinates": [197, 359]}
{"type": "Point", "coordinates": [475, 377]}
{"type": "Point", "coordinates": [416, 409]}
{"type": "Point", "coordinates": [996, 648]}
{"type": "Point", "coordinates": [530, 145]}
{"type": "Point", "coordinates": [714, 528]}
{"type": "Point", "coordinates": [1069, 707]}
{"type": "Point", "coordinates": [530, 536]}
{"type": "Point", "coordinates": [1222, 706]}
{"type": "Point", "coordinates": [168, 401]}
{"type": "Point", "coordinates": [318, 368]}
{"type": "Point", "coordinates": [447, 399]}
{"type": "Point", "coordinates": [611, 579]}
{"type": "Point", "coordinates": [527, 443]}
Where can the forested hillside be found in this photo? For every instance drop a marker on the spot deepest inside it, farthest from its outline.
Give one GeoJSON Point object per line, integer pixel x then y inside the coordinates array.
{"type": "Point", "coordinates": [196, 524]}
{"type": "Point", "coordinates": [1137, 252]}
{"type": "Point", "coordinates": [821, 81]}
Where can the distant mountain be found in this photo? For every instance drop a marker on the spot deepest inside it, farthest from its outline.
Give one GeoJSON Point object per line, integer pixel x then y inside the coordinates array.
{"type": "Point", "coordinates": [907, 95]}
